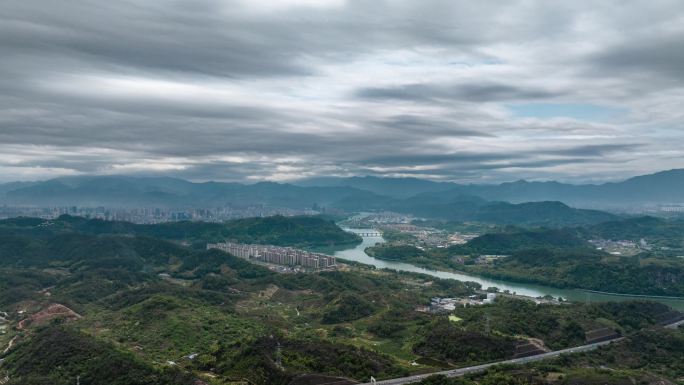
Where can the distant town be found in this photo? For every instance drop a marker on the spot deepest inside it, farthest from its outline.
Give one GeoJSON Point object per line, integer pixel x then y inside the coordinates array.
{"type": "Point", "coordinates": [446, 305]}
{"type": "Point", "coordinates": [389, 222]}
{"type": "Point", "coordinates": [621, 247]}
{"type": "Point", "coordinates": [152, 215]}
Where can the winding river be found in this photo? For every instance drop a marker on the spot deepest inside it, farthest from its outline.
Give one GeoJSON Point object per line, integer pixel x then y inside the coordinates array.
{"type": "Point", "coordinates": [359, 255]}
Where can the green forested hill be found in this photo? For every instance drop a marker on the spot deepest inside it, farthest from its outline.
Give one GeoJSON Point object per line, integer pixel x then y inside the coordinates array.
{"type": "Point", "coordinates": [302, 231]}
{"type": "Point", "coordinates": [551, 214]}
{"type": "Point", "coordinates": [152, 311]}
{"type": "Point", "coordinates": [404, 253]}
{"type": "Point", "coordinates": [75, 250]}
{"type": "Point", "coordinates": [454, 207]}
{"type": "Point", "coordinates": [591, 269]}
{"type": "Point", "coordinates": [656, 231]}
{"type": "Point", "coordinates": [564, 257]}
{"type": "Point", "coordinates": [55, 355]}
{"type": "Point", "coordinates": [651, 357]}
{"type": "Point", "coordinates": [144, 301]}
{"type": "Point", "coordinates": [509, 242]}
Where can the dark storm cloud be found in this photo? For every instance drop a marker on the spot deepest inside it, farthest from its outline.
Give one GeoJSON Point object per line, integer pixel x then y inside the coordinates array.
{"type": "Point", "coordinates": [160, 135]}
{"type": "Point", "coordinates": [472, 92]}
{"type": "Point", "coordinates": [446, 164]}
{"type": "Point", "coordinates": [594, 150]}
{"type": "Point", "coordinates": [655, 55]}
{"type": "Point", "coordinates": [419, 125]}
{"type": "Point", "coordinates": [212, 38]}
{"type": "Point", "coordinates": [146, 36]}
{"type": "Point", "coordinates": [435, 159]}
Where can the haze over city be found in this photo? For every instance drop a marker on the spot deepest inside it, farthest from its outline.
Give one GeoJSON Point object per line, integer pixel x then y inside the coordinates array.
{"type": "Point", "coordinates": [247, 91]}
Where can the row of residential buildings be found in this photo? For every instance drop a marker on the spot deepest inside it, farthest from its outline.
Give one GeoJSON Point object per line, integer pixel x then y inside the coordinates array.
{"type": "Point", "coordinates": [278, 255]}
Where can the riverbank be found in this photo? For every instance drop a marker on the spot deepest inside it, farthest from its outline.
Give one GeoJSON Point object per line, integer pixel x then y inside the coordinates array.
{"type": "Point", "coordinates": [530, 279]}
{"type": "Point", "coordinates": [523, 280]}
{"type": "Point", "coordinates": [632, 295]}
{"type": "Point", "coordinates": [358, 254]}
{"type": "Point", "coordinates": [590, 275]}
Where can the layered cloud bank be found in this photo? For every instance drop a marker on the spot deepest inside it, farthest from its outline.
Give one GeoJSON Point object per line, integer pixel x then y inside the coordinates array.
{"type": "Point", "coordinates": [287, 89]}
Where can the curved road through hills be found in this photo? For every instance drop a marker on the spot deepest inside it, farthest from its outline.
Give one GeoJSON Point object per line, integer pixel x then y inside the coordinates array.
{"type": "Point", "coordinates": [523, 360]}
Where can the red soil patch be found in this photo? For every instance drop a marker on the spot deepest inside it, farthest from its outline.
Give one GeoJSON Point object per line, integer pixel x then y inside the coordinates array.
{"type": "Point", "coordinates": [51, 312]}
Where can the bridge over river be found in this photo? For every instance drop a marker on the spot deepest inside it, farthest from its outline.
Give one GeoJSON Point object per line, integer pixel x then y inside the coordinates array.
{"type": "Point", "coordinates": [368, 233]}
{"type": "Point", "coordinates": [365, 233]}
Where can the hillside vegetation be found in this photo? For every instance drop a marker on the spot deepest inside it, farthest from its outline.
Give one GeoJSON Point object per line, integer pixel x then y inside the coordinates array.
{"type": "Point", "coordinates": [301, 231]}
{"type": "Point", "coordinates": [161, 312]}
{"type": "Point", "coordinates": [658, 232]}
{"type": "Point", "coordinates": [56, 355]}
{"type": "Point", "coordinates": [564, 257]}
{"type": "Point", "coordinates": [648, 357]}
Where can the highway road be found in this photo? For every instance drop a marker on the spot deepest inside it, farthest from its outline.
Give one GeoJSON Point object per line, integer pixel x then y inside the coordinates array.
{"type": "Point", "coordinates": [675, 325]}
{"type": "Point", "coordinates": [523, 360]}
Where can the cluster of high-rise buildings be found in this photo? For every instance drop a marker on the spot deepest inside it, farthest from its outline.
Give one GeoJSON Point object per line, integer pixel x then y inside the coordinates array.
{"type": "Point", "coordinates": [150, 215]}
{"type": "Point", "coordinates": [278, 255]}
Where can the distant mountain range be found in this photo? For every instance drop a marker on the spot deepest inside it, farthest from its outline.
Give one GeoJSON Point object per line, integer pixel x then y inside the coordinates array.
{"type": "Point", "coordinates": [660, 188]}
{"type": "Point", "coordinates": [127, 191]}
{"type": "Point", "coordinates": [517, 202]}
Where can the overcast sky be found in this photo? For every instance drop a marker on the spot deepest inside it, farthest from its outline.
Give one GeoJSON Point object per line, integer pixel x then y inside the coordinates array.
{"type": "Point", "coordinates": [250, 90]}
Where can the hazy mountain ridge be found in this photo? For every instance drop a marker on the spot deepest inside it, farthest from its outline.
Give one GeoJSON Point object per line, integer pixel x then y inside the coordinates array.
{"type": "Point", "coordinates": [116, 191]}
{"type": "Point", "coordinates": [125, 191]}
{"type": "Point", "coordinates": [661, 187]}
{"type": "Point", "coordinates": [521, 202]}
{"type": "Point", "coordinates": [393, 187]}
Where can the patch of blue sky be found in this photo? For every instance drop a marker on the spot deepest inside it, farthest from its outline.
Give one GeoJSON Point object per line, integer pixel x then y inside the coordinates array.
{"type": "Point", "coordinates": [578, 111]}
